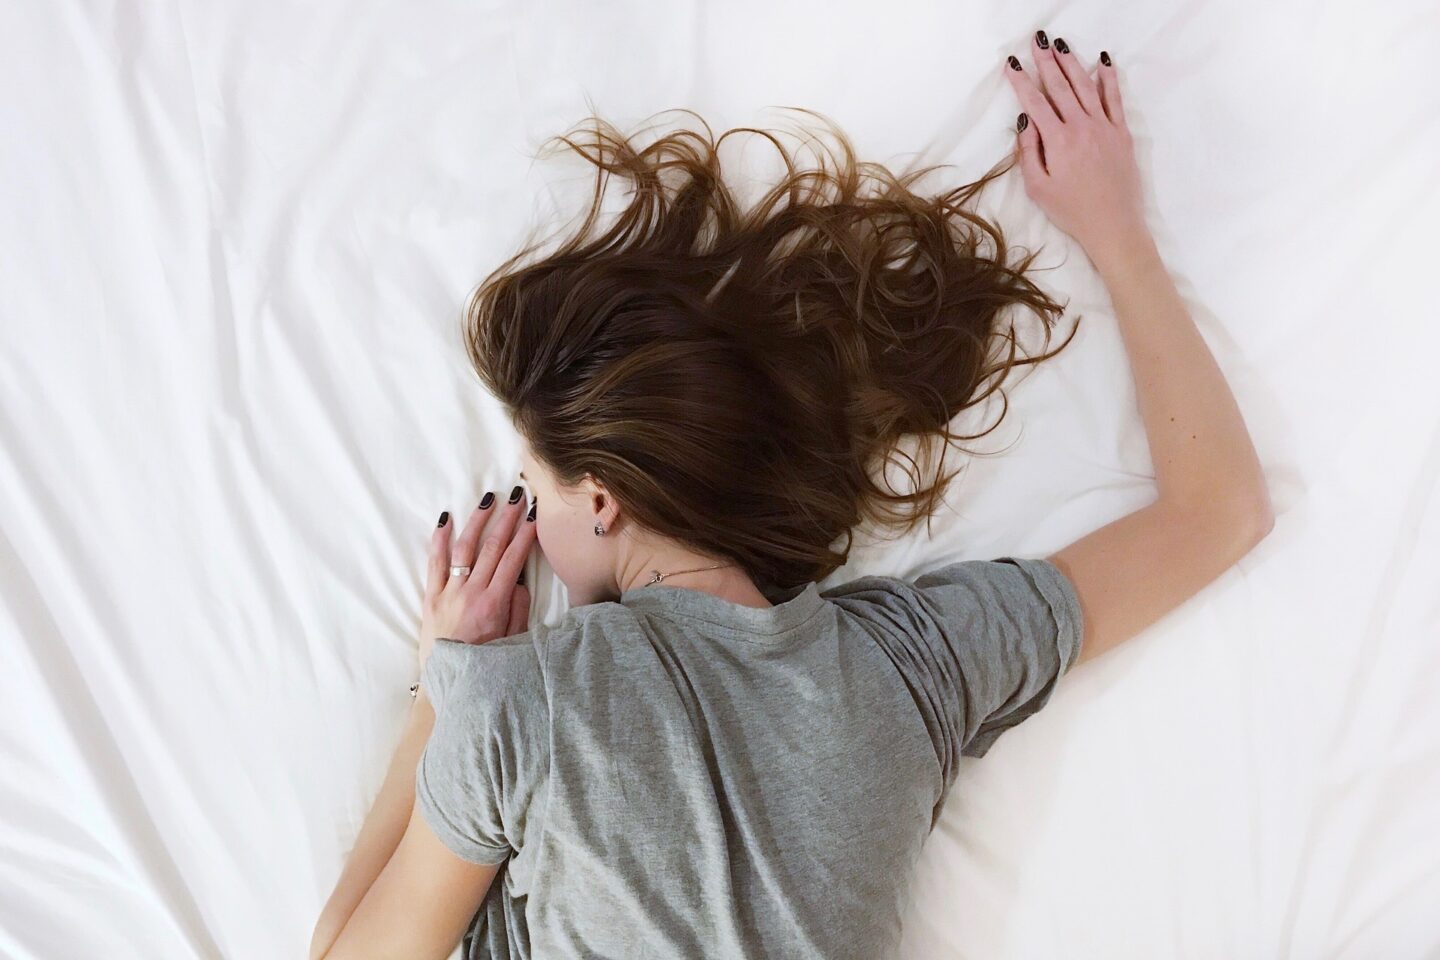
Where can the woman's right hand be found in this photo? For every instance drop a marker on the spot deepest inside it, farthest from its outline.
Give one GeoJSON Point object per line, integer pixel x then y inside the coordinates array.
{"type": "Point", "coordinates": [1076, 154]}
{"type": "Point", "coordinates": [489, 602]}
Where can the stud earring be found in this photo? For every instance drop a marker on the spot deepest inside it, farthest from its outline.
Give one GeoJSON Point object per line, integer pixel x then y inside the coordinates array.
{"type": "Point", "coordinates": [599, 530]}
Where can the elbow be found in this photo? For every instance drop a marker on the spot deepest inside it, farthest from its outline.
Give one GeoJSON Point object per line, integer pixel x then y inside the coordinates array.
{"type": "Point", "coordinates": [1242, 519]}
{"type": "Point", "coordinates": [1244, 508]}
{"type": "Point", "coordinates": [1252, 523]}
{"type": "Point", "coordinates": [1259, 515]}
{"type": "Point", "coordinates": [1264, 524]}
{"type": "Point", "coordinates": [1236, 506]}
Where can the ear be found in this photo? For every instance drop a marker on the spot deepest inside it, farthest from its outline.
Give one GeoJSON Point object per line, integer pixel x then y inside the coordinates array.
{"type": "Point", "coordinates": [603, 504]}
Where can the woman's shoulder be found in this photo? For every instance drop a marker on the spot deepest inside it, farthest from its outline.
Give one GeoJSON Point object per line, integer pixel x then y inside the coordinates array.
{"type": "Point", "coordinates": [485, 675]}
{"type": "Point", "coordinates": [519, 659]}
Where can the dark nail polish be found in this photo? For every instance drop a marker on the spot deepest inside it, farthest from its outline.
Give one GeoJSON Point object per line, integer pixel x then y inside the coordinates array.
{"type": "Point", "coordinates": [486, 500]}
{"type": "Point", "coordinates": [1061, 45]}
{"type": "Point", "coordinates": [1105, 58]}
{"type": "Point", "coordinates": [531, 515]}
{"type": "Point", "coordinates": [1014, 63]}
{"type": "Point", "coordinates": [444, 515]}
{"type": "Point", "coordinates": [515, 494]}
{"type": "Point", "coordinates": [1041, 39]}
{"type": "Point", "coordinates": [1022, 123]}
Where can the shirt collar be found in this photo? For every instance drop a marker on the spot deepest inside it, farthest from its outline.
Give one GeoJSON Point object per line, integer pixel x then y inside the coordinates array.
{"type": "Point", "coordinates": [792, 607]}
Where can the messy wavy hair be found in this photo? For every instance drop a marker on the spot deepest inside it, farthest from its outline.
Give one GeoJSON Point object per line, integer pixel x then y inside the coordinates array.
{"type": "Point", "coordinates": [739, 379]}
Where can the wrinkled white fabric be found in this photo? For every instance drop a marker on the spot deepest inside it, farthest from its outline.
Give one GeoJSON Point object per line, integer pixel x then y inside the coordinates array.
{"type": "Point", "coordinates": [237, 237]}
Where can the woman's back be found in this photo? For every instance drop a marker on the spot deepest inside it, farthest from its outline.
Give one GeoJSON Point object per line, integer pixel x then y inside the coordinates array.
{"type": "Point", "coordinates": [678, 775]}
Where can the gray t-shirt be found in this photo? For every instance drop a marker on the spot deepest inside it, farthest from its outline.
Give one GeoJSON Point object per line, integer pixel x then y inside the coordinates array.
{"type": "Point", "coordinates": [674, 775]}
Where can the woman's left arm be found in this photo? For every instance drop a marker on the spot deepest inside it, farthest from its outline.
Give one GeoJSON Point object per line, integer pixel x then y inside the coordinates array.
{"type": "Point", "coordinates": [381, 832]}
{"type": "Point", "coordinates": [403, 892]}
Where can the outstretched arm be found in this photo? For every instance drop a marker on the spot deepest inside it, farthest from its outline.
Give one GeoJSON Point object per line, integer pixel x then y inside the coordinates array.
{"type": "Point", "coordinates": [1078, 163]}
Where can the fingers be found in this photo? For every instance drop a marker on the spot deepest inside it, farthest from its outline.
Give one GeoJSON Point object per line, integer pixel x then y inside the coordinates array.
{"type": "Point", "coordinates": [512, 561]}
{"type": "Point", "coordinates": [438, 568]}
{"type": "Point", "coordinates": [1057, 88]}
{"type": "Point", "coordinates": [494, 561]}
{"type": "Point", "coordinates": [1032, 100]}
{"type": "Point", "coordinates": [1080, 83]}
{"type": "Point", "coordinates": [1032, 163]}
{"type": "Point", "coordinates": [1110, 89]}
{"type": "Point", "coordinates": [463, 553]}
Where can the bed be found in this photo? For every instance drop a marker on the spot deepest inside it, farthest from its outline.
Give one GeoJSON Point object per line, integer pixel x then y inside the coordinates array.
{"type": "Point", "coordinates": [233, 401]}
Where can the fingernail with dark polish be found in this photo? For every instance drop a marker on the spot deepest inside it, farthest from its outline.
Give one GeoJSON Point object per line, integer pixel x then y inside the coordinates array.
{"type": "Point", "coordinates": [1105, 58]}
{"type": "Point", "coordinates": [1061, 45]}
{"type": "Point", "coordinates": [1022, 123]}
{"type": "Point", "coordinates": [531, 515]}
{"type": "Point", "coordinates": [1014, 63]}
{"type": "Point", "coordinates": [486, 500]}
{"type": "Point", "coordinates": [515, 494]}
{"type": "Point", "coordinates": [1041, 39]}
{"type": "Point", "coordinates": [444, 515]}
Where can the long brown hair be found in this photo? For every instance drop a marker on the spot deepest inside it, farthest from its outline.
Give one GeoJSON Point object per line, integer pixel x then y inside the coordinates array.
{"type": "Point", "coordinates": [739, 378]}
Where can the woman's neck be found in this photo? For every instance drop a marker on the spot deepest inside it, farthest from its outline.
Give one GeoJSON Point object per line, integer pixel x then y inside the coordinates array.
{"type": "Point", "coordinates": [728, 582]}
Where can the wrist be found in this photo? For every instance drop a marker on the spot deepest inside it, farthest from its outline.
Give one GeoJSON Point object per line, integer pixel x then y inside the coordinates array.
{"type": "Point", "coordinates": [1123, 253]}
{"type": "Point", "coordinates": [422, 711]}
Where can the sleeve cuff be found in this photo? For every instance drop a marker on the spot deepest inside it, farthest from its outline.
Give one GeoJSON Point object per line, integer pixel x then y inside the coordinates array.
{"type": "Point", "coordinates": [464, 847]}
{"type": "Point", "coordinates": [1064, 603]}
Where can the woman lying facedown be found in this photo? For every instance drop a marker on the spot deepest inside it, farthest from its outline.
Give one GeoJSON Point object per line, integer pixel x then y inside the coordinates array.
{"type": "Point", "coordinates": [708, 756]}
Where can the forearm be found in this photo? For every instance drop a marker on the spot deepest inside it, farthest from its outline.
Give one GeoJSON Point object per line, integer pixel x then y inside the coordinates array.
{"type": "Point", "coordinates": [1200, 447]}
{"type": "Point", "coordinates": [382, 830]}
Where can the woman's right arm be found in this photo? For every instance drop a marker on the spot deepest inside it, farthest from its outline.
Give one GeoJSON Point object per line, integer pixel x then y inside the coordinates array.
{"type": "Point", "coordinates": [1213, 507]}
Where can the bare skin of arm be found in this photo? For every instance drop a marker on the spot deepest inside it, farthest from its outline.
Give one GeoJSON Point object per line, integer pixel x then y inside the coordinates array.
{"type": "Point", "coordinates": [1212, 506]}
{"type": "Point", "coordinates": [381, 832]}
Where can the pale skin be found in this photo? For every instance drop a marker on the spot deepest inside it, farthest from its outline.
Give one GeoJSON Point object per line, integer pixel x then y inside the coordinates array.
{"type": "Point", "coordinates": [1212, 505]}
{"type": "Point", "coordinates": [404, 894]}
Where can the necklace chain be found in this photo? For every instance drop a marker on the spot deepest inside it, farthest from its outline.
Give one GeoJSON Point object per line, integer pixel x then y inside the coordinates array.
{"type": "Point", "coordinates": [656, 576]}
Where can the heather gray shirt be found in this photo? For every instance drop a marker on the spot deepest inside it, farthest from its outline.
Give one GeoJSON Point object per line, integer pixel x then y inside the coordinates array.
{"type": "Point", "coordinates": [675, 776]}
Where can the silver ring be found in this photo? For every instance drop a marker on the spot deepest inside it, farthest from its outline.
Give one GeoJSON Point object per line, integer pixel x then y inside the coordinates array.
{"type": "Point", "coordinates": [459, 571]}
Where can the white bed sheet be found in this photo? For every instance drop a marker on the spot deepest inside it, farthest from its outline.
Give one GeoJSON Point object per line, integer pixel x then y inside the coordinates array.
{"type": "Point", "coordinates": [232, 402]}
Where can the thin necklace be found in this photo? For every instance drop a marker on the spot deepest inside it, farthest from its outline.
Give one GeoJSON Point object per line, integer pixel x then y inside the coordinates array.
{"type": "Point", "coordinates": [656, 576]}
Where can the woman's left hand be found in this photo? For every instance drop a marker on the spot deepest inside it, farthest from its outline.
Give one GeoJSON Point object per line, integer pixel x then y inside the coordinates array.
{"type": "Point", "coordinates": [488, 602]}
{"type": "Point", "coordinates": [1076, 152]}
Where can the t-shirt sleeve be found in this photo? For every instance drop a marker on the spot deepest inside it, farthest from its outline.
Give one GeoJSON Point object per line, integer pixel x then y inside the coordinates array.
{"type": "Point", "coordinates": [980, 644]}
{"type": "Point", "coordinates": [489, 751]}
